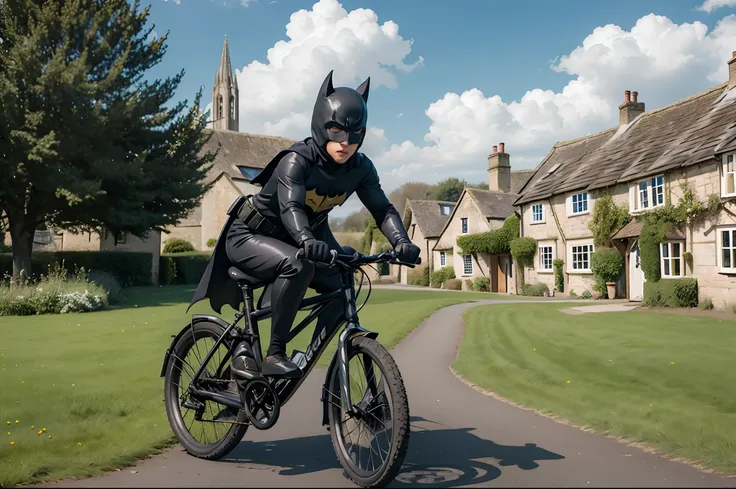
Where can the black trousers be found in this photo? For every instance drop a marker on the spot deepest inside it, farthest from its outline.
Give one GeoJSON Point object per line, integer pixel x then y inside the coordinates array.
{"type": "Point", "coordinates": [273, 260]}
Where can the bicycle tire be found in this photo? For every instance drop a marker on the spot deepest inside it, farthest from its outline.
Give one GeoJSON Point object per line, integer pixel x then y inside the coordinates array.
{"type": "Point", "coordinates": [399, 410]}
{"type": "Point", "coordinates": [236, 432]}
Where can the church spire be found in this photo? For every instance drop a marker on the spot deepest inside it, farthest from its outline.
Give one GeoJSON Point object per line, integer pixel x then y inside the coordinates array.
{"type": "Point", "coordinates": [225, 95]}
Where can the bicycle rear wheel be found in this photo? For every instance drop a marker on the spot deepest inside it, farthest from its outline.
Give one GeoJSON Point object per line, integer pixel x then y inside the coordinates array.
{"type": "Point", "coordinates": [194, 421]}
{"type": "Point", "coordinates": [383, 400]}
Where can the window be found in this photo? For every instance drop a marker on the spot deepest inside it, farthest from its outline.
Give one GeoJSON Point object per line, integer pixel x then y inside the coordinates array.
{"type": "Point", "coordinates": [545, 258]}
{"type": "Point", "coordinates": [671, 259]}
{"type": "Point", "coordinates": [581, 257]}
{"type": "Point", "coordinates": [443, 258]}
{"type": "Point", "coordinates": [467, 265]}
{"type": "Point", "coordinates": [728, 182]}
{"type": "Point", "coordinates": [464, 224]}
{"type": "Point", "coordinates": [445, 210]}
{"type": "Point", "coordinates": [727, 245]}
{"type": "Point", "coordinates": [580, 203]}
{"type": "Point", "coordinates": [647, 194]}
{"type": "Point", "coordinates": [248, 172]}
{"type": "Point", "coordinates": [537, 213]}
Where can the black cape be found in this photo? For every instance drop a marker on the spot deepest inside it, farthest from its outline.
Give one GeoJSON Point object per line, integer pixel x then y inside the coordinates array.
{"type": "Point", "coordinates": [215, 283]}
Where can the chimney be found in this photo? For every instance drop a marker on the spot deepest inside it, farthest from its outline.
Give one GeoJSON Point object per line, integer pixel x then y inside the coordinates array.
{"type": "Point", "coordinates": [499, 170]}
{"type": "Point", "coordinates": [630, 109]}
{"type": "Point", "coordinates": [732, 71]}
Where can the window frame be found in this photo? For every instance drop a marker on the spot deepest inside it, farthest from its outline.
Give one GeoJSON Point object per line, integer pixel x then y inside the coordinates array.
{"type": "Point", "coordinates": [571, 204]}
{"type": "Point", "coordinates": [443, 258]}
{"type": "Point", "coordinates": [470, 260]}
{"type": "Point", "coordinates": [464, 225]}
{"type": "Point", "coordinates": [541, 219]}
{"type": "Point", "coordinates": [571, 257]}
{"type": "Point", "coordinates": [719, 250]}
{"type": "Point", "coordinates": [635, 193]}
{"type": "Point", "coordinates": [540, 258]}
{"type": "Point", "coordinates": [725, 173]}
{"type": "Point", "coordinates": [668, 245]}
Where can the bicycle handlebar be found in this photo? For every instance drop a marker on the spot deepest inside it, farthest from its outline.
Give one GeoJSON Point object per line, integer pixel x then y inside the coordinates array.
{"type": "Point", "coordinates": [357, 259]}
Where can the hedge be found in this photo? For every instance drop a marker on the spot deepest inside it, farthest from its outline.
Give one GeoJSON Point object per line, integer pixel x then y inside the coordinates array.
{"type": "Point", "coordinates": [418, 276]}
{"type": "Point", "coordinates": [669, 292]}
{"type": "Point", "coordinates": [128, 267]}
{"type": "Point", "coordinates": [439, 276]}
{"type": "Point", "coordinates": [496, 241]}
{"type": "Point", "coordinates": [186, 268]}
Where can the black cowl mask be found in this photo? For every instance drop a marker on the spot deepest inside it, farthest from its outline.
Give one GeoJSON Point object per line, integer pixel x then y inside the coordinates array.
{"type": "Point", "coordinates": [340, 107]}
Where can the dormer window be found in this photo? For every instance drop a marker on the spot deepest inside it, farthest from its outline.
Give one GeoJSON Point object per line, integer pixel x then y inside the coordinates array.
{"type": "Point", "coordinates": [445, 210]}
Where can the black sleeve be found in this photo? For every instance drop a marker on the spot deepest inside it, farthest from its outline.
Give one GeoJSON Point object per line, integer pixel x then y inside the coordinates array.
{"type": "Point", "coordinates": [292, 177]}
{"type": "Point", "coordinates": [375, 200]}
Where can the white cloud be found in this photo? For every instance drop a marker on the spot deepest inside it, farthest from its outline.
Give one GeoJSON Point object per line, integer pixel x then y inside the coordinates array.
{"type": "Point", "coordinates": [277, 97]}
{"type": "Point", "coordinates": [661, 60]}
{"type": "Point", "coordinates": [711, 5]}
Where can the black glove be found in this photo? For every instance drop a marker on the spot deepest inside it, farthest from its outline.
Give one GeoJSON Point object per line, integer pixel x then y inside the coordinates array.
{"type": "Point", "coordinates": [317, 251]}
{"type": "Point", "coordinates": [407, 252]}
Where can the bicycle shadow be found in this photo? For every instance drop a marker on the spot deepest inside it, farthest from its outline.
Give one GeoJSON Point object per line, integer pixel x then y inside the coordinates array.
{"type": "Point", "coordinates": [436, 457]}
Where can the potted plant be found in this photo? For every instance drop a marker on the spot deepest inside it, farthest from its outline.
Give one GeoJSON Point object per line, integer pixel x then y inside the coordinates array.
{"type": "Point", "coordinates": [606, 264]}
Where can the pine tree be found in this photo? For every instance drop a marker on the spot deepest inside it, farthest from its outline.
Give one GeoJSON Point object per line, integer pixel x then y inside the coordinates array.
{"type": "Point", "coordinates": [86, 144]}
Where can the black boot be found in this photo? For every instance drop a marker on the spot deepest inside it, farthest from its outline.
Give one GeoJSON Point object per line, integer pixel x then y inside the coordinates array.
{"type": "Point", "coordinates": [277, 365]}
{"type": "Point", "coordinates": [243, 361]}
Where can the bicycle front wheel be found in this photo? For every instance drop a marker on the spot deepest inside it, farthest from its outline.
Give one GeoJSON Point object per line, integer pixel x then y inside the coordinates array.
{"type": "Point", "coordinates": [370, 447]}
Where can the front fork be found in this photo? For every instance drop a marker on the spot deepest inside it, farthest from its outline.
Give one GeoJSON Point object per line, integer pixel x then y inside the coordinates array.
{"type": "Point", "coordinates": [344, 343]}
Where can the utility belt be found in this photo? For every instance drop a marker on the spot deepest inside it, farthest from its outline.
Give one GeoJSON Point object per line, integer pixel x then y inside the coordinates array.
{"type": "Point", "coordinates": [246, 211]}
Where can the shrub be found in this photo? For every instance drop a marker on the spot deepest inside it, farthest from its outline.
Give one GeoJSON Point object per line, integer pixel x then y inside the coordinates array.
{"type": "Point", "coordinates": [178, 245]}
{"type": "Point", "coordinates": [453, 284]}
{"type": "Point", "coordinates": [586, 294]}
{"type": "Point", "coordinates": [188, 267]}
{"type": "Point", "coordinates": [54, 293]}
{"type": "Point", "coordinates": [419, 276]}
{"type": "Point", "coordinates": [166, 270]}
{"type": "Point", "coordinates": [211, 242]}
{"type": "Point", "coordinates": [706, 304]}
{"type": "Point", "coordinates": [606, 220]}
{"type": "Point", "coordinates": [107, 282]}
{"type": "Point", "coordinates": [440, 275]}
{"type": "Point", "coordinates": [536, 290]}
{"type": "Point", "coordinates": [559, 276]}
{"type": "Point", "coordinates": [481, 284]}
{"type": "Point", "coordinates": [681, 292]}
{"type": "Point", "coordinates": [468, 284]}
{"type": "Point", "coordinates": [607, 264]}
{"type": "Point", "coordinates": [128, 267]}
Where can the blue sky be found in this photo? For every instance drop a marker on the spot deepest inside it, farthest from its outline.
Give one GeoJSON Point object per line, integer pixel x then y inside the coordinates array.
{"type": "Point", "coordinates": [500, 48]}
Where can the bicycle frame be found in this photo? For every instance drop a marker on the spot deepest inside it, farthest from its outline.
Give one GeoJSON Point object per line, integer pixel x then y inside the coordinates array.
{"type": "Point", "coordinates": [286, 388]}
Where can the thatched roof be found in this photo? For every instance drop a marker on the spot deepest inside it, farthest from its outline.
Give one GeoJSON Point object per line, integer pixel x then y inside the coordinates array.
{"type": "Point", "coordinates": [428, 216]}
{"type": "Point", "coordinates": [691, 131]}
{"type": "Point", "coordinates": [242, 149]}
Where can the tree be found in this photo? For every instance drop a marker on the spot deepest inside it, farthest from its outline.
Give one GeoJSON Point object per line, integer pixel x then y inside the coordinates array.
{"type": "Point", "coordinates": [451, 188]}
{"type": "Point", "coordinates": [411, 191]}
{"type": "Point", "coordinates": [88, 145]}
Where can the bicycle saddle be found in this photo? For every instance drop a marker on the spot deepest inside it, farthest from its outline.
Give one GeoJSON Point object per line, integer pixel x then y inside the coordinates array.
{"type": "Point", "coordinates": [244, 279]}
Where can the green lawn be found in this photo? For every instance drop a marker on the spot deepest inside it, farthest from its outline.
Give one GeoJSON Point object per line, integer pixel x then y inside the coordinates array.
{"type": "Point", "coordinates": [92, 380]}
{"type": "Point", "coordinates": [662, 379]}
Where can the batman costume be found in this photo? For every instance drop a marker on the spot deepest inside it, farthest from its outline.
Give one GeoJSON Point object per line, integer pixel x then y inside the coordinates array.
{"type": "Point", "coordinates": [300, 186]}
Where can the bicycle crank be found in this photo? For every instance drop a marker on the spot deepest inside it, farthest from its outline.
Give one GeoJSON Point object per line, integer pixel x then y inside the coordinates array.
{"type": "Point", "coordinates": [261, 404]}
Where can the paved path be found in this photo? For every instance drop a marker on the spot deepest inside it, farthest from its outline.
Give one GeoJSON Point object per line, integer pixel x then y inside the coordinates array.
{"type": "Point", "coordinates": [459, 438]}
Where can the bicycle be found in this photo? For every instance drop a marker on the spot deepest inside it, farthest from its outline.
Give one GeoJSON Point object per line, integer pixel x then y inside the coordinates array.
{"type": "Point", "coordinates": [258, 399]}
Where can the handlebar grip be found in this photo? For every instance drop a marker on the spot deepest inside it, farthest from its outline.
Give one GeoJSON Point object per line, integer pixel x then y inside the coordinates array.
{"type": "Point", "coordinates": [419, 260]}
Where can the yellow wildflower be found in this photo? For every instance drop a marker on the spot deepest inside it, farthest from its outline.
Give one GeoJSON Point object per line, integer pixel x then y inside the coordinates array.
{"type": "Point", "coordinates": [568, 381]}
{"type": "Point", "coordinates": [16, 421]}
{"type": "Point", "coordinates": [44, 430]}
{"type": "Point", "coordinates": [12, 443]}
{"type": "Point", "coordinates": [79, 443]}
{"type": "Point", "coordinates": [49, 437]}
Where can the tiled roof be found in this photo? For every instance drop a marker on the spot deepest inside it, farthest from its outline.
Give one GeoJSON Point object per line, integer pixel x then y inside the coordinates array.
{"type": "Point", "coordinates": [427, 215]}
{"type": "Point", "coordinates": [493, 205]}
{"type": "Point", "coordinates": [690, 131]}
{"type": "Point", "coordinates": [242, 149]}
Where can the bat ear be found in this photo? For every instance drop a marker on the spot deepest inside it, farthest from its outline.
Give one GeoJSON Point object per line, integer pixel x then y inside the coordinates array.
{"type": "Point", "coordinates": [327, 89]}
{"type": "Point", "coordinates": [363, 89]}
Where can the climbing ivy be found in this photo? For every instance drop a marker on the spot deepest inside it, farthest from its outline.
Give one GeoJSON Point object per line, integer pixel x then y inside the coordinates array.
{"type": "Point", "coordinates": [559, 277]}
{"type": "Point", "coordinates": [496, 241]}
{"type": "Point", "coordinates": [658, 222]}
{"type": "Point", "coordinates": [606, 220]}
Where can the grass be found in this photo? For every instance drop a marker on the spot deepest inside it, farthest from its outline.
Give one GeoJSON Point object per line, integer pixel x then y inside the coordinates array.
{"type": "Point", "coordinates": [660, 379]}
{"type": "Point", "coordinates": [91, 380]}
